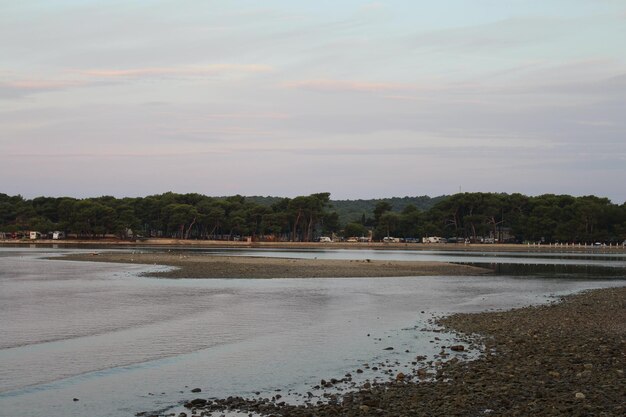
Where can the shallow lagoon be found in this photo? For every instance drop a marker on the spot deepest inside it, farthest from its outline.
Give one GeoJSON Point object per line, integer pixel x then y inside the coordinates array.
{"type": "Point", "coordinates": [122, 344]}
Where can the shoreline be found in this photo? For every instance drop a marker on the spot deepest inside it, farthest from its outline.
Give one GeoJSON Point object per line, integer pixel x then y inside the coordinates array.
{"type": "Point", "coordinates": [559, 359]}
{"type": "Point", "coordinates": [562, 359]}
{"type": "Point", "coordinates": [163, 242]}
{"type": "Point", "coordinates": [191, 265]}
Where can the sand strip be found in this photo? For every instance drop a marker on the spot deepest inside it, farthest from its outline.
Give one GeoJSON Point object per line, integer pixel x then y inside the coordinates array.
{"type": "Point", "coordinates": [192, 265]}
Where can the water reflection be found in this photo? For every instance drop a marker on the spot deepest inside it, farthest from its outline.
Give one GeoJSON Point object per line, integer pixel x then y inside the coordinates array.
{"type": "Point", "coordinates": [554, 270]}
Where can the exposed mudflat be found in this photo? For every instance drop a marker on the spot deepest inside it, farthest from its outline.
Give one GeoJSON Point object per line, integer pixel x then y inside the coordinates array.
{"type": "Point", "coordinates": [209, 266]}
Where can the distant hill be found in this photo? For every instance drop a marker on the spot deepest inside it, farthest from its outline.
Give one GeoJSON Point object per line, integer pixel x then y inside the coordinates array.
{"type": "Point", "coordinates": [353, 210]}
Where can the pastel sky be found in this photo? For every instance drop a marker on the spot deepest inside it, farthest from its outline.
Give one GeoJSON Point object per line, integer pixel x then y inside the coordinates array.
{"type": "Point", "coordinates": [358, 98]}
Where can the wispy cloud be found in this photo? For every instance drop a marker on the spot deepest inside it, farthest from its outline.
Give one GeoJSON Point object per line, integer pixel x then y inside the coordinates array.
{"type": "Point", "coordinates": [502, 34]}
{"type": "Point", "coordinates": [327, 85]}
{"type": "Point", "coordinates": [239, 116]}
{"type": "Point", "coordinates": [20, 88]}
{"type": "Point", "coordinates": [402, 97]}
{"type": "Point", "coordinates": [205, 70]}
{"type": "Point", "coordinates": [74, 78]}
{"type": "Point", "coordinates": [375, 5]}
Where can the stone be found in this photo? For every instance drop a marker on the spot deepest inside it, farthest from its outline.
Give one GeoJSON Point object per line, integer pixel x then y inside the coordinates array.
{"type": "Point", "coordinates": [580, 396]}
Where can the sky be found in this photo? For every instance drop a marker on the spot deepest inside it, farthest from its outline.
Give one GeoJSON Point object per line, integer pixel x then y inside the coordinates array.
{"type": "Point", "coordinates": [362, 99]}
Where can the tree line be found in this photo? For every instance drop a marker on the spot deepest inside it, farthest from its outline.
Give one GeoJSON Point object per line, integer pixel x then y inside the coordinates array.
{"type": "Point", "coordinates": [464, 216]}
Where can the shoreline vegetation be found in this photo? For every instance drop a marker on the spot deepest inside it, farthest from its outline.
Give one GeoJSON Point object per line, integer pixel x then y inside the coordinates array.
{"type": "Point", "coordinates": [561, 359]}
{"type": "Point", "coordinates": [472, 217]}
{"type": "Point", "coordinates": [194, 265]}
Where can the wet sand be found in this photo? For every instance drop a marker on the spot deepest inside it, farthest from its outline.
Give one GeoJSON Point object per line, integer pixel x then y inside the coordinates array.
{"type": "Point", "coordinates": [190, 265]}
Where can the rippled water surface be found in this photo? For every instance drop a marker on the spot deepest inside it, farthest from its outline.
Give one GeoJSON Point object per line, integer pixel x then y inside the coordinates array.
{"type": "Point", "coordinates": [122, 343]}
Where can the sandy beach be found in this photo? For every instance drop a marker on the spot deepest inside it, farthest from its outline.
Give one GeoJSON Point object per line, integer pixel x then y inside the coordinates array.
{"type": "Point", "coordinates": [190, 265]}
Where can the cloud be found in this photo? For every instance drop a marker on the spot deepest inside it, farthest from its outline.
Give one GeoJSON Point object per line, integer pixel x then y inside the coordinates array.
{"type": "Point", "coordinates": [332, 86]}
{"type": "Point", "coordinates": [83, 78]}
{"type": "Point", "coordinates": [107, 155]}
{"type": "Point", "coordinates": [205, 70]}
{"type": "Point", "coordinates": [236, 116]}
{"type": "Point", "coordinates": [402, 97]}
{"type": "Point", "coordinates": [503, 34]}
{"type": "Point", "coordinates": [375, 5]}
{"type": "Point", "coordinates": [21, 88]}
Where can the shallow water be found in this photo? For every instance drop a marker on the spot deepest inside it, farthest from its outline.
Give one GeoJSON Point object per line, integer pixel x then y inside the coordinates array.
{"type": "Point", "coordinates": [122, 344]}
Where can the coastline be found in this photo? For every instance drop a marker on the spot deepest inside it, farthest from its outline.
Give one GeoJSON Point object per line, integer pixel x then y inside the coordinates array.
{"type": "Point", "coordinates": [164, 242]}
{"type": "Point", "coordinates": [561, 359]}
{"type": "Point", "coordinates": [192, 265]}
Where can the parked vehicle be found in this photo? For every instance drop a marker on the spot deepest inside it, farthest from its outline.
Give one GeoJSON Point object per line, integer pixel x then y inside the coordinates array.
{"type": "Point", "coordinates": [325, 239]}
{"type": "Point", "coordinates": [434, 239]}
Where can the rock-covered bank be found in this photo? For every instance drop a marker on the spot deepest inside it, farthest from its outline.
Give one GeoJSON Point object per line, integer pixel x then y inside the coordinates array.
{"type": "Point", "coordinates": [562, 359]}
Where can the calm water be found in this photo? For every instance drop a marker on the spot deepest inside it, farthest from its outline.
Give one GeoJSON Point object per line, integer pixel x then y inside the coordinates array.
{"type": "Point", "coordinates": [123, 344]}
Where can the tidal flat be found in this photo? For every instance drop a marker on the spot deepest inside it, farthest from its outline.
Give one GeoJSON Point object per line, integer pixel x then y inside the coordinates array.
{"type": "Point", "coordinates": [561, 359]}
{"type": "Point", "coordinates": [123, 343]}
{"type": "Point", "coordinates": [193, 265]}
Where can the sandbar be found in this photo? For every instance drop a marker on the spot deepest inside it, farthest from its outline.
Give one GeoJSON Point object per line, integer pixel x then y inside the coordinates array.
{"type": "Point", "coordinates": [190, 265]}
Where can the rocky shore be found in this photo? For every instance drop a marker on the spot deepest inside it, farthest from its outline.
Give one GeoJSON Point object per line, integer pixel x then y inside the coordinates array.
{"type": "Point", "coordinates": [190, 265]}
{"type": "Point", "coordinates": [562, 359]}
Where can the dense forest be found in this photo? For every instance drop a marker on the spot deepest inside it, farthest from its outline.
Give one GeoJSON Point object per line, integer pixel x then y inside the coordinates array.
{"type": "Point", "coordinates": [476, 217]}
{"type": "Point", "coordinates": [355, 210]}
